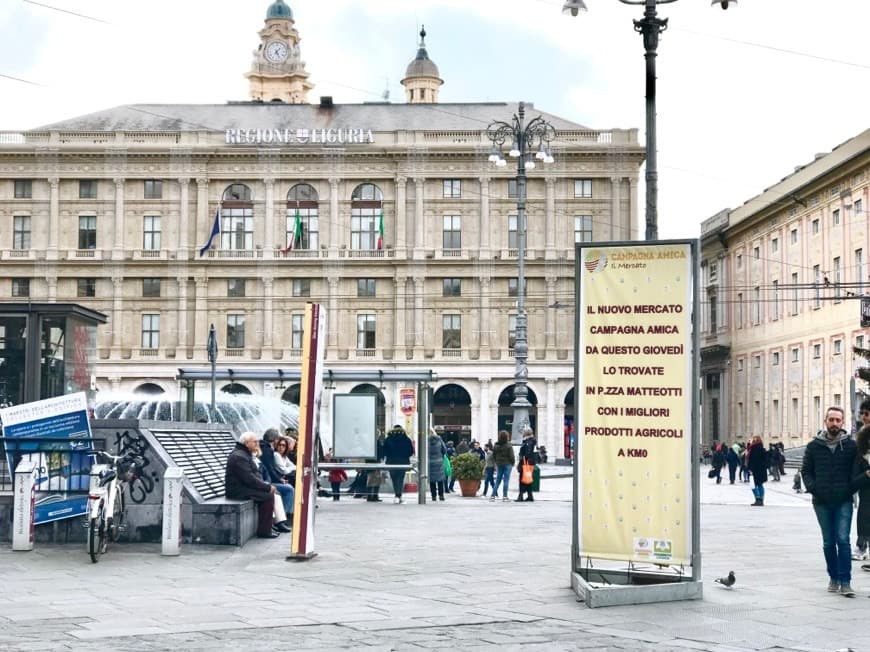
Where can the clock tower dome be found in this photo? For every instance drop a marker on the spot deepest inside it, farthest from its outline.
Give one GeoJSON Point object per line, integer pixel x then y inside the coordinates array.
{"type": "Point", "coordinates": [277, 71]}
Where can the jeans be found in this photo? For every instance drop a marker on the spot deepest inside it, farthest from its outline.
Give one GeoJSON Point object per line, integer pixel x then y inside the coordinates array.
{"type": "Point", "coordinates": [504, 473]}
{"type": "Point", "coordinates": [287, 494]}
{"type": "Point", "coordinates": [758, 491]}
{"type": "Point", "coordinates": [490, 480]}
{"type": "Point", "coordinates": [835, 521]}
{"type": "Point", "coordinates": [397, 477]}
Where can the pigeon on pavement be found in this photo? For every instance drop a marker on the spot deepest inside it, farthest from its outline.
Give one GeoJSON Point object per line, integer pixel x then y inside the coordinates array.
{"type": "Point", "coordinates": [727, 581]}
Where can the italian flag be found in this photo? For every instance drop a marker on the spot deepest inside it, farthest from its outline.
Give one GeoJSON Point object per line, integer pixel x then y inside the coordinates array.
{"type": "Point", "coordinates": [296, 236]}
{"type": "Point", "coordinates": [380, 242]}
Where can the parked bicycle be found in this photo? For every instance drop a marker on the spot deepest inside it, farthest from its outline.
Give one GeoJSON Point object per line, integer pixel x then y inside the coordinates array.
{"type": "Point", "coordinates": [106, 504]}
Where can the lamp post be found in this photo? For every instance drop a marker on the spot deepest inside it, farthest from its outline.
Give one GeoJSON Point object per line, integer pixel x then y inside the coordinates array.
{"type": "Point", "coordinates": [528, 142]}
{"type": "Point", "coordinates": [650, 26]}
{"type": "Point", "coordinates": [212, 350]}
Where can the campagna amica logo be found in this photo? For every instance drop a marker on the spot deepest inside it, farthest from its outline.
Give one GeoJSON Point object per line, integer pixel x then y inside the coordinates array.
{"type": "Point", "coordinates": [595, 261]}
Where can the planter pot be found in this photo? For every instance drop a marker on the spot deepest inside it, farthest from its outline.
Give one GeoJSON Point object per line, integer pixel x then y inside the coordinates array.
{"type": "Point", "coordinates": [469, 488]}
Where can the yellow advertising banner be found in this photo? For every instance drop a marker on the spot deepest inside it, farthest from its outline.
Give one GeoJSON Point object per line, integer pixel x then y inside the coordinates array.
{"type": "Point", "coordinates": [634, 414]}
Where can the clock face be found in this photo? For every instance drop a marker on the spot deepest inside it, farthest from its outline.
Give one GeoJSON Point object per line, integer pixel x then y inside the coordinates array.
{"type": "Point", "coordinates": [276, 51]}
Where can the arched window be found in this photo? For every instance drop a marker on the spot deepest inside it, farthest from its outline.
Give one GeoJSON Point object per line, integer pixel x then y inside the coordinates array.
{"type": "Point", "coordinates": [152, 389]}
{"type": "Point", "coordinates": [367, 217]}
{"type": "Point", "coordinates": [303, 231]}
{"type": "Point", "coordinates": [237, 217]}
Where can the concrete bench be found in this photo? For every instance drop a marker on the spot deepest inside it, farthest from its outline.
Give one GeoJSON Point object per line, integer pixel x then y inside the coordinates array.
{"type": "Point", "coordinates": [223, 521]}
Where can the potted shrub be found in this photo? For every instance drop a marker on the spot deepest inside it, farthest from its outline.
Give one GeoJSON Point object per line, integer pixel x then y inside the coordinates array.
{"type": "Point", "coordinates": [468, 470]}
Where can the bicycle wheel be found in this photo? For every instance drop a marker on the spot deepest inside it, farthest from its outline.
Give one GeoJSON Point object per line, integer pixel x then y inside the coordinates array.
{"type": "Point", "coordinates": [117, 522]}
{"type": "Point", "coordinates": [97, 534]}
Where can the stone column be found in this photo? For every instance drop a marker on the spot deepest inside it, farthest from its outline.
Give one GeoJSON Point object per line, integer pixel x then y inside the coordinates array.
{"type": "Point", "coordinates": [547, 432]}
{"type": "Point", "coordinates": [399, 317]}
{"type": "Point", "coordinates": [182, 312]}
{"type": "Point", "coordinates": [117, 313]}
{"type": "Point", "coordinates": [485, 422]}
{"type": "Point", "coordinates": [200, 319]}
{"type": "Point", "coordinates": [51, 280]}
{"type": "Point", "coordinates": [269, 220]}
{"type": "Point", "coordinates": [333, 217]}
{"type": "Point", "coordinates": [485, 252]}
{"type": "Point", "coordinates": [550, 342]}
{"type": "Point", "coordinates": [419, 220]}
{"type": "Point", "coordinates": [550, 219]}
{"type": "Point", "coordinates": [118, 245]}
{"type": "Point", "coordinates": [268, 325]}
{"type": "Point", "coordinates": [333, 318]}
{"type": "Point", "coordinates": [419, 288]}
{"type": "Point", "coordinates": [559, 450]}
{"type": "Point", "coordinates": [53, 218]}
{"type": "Point", "coordinates": [202, 228]}
{"type": "Point", "coordinates": [616, 230]}
{"type": "Point", "coordinates": [183, 252]}
{"type": "Point", "coordinates": [401, 242]}
{"type": "Point", "coordinates": [633, 225]}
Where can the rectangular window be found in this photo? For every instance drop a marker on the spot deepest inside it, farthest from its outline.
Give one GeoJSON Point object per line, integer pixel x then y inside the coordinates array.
{"type": "Point", "coordinates": [835, 217]}
{"type": "Point", "coordinates": [859, 341]}
{"type": "Point", "coordinates": [859, 270]}
{"type": "Point", "coordinates": [794, 422]}
{"type": "Point", "coordinates": [364, 228]}
{"type": "Point", "coordinates": [714, 313]}
{"type": "Point", "coordinates": [296, 329]}
{"type": "Point", "coordinates": [365, 332]}
{"type": "Point", "coordinates": [20, 287]}
{"type": "Point", "coordinates": [714, 270]}
{"type": "Point", "coordinates": [452, 232]}
{"type": "Point", "coordinates": [817, 409]}
{"type": "Point", "coordinates": [837, 278]}
{"type": "Point", "coordinates": [235, 331]}
{"type": "Point", "coordinates": [301, 287]}
{"type": "Point", "coordinates": [775, 300]}
{"type": "Point", "coordinates": [774, 245]}
{"type": "Point", "coordinates": [775, 420]}
{"type": "Point", "coordinates": [512, 231]}
{"type": "Point", "coordinates": [740, 364]}
{"type": "Point", "coordinates": [153, 189]}
{"type": "Point", "coordinates": [756, 361]}
{"type": "Point", "coordinates": [21, 232]}
{"type": "Point", "coordinates": [452, 188]}
{"type": "Point", "coordinates": [87, 189]}
{"type": "Point", "coordinates": [739, 261]}
{"type": "Point", "coordinates": [817, 350]}
{"type": "Point", "coordinates": [583, 188]}
{"type": "Point", "coordinates": [815, 226]}
{"type": "Point", "coordinates": [310, 224]}
{"type": "Point", "coordinates": [817, 282]}
{"type": "Point", "coordinates": [151, 232]}
{"type": "Point", "coordinates": [451, 332]}
{"type": "Point", "coordinates": [512, 188]}
{"type": "Point", "coordinates": [87, 231]}
{"type": "Point", "coordinates": [23, 189]}
{"type": "Point", "coordinates": [837, 399]}
{"type": "Point", "coordinates": [237, 228]}
{"type": "Point", "coordinates": [794, 236]}
{"type": "Point", "coordinates": [452, 287]}
{"type": "Point", "coordinates": [86, 287]}
{"type": "Point", "coordinates": [739, 310]}
{"type": "Point", "coordinates": [514, 284]}
{"type": "Point", "coordinates": [756, 306]}
{"type": "Point", "coordinates": [775, 358]}
{"type": "Point", "coordinates": [235, 287]}
{"type": "Point", "coordinates": [756, 252]}
{"type": "Point", "coordinates": [512, 332]}
{"type": "Point", "coordinates": [582, 228]}
{"type": "Point", "coordinates": [150, 331]}
{"type": "Point", "coordinates": [859, 209]}
{"type": "Point", "coordinates": [150, 288]}
{"type": "Point", "coordinates": [838, 347]}
{"type": "Point", "coordinates": [794, 293]}
{"type": "Point", "coordinates": [795, 354]}
{"type": "Point", "coordinates": [365, 287]}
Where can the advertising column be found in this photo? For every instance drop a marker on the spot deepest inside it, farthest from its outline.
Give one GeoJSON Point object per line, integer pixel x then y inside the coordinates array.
{"type": "Point", "coordinates": [635, 412]}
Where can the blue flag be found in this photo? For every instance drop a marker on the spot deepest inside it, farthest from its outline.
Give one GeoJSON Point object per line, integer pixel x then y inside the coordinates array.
{"type": "Point", "coordinates": [215, 230]}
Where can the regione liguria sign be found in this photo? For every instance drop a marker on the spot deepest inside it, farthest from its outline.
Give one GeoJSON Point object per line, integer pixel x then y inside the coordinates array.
{"type": "Point", "coordinates": [635, 378]}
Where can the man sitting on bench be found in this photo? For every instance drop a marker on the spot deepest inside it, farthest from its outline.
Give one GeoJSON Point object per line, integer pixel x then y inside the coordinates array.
{"type": "Point", "coordinates": [243, 481]}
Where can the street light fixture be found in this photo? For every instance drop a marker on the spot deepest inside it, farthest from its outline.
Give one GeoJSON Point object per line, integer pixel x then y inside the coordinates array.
{"type": "Point", "coordinates": [527, 142]}
{"type": "Point", "coordinates": [650, 26]}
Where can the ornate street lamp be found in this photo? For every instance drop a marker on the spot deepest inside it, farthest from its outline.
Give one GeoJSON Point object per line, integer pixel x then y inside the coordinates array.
{"type": "Point", "coordinates": [212, 350]}
{"type": "Point", "coordinates": [528, 142]}
{"type": "Point", "coordinates": [650, 26]}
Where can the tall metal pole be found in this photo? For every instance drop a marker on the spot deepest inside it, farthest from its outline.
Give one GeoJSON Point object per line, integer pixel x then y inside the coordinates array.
{"type": "Point", "coordinates": [521, 403]}
{"type": "Point", "coordinates": [212, 357]}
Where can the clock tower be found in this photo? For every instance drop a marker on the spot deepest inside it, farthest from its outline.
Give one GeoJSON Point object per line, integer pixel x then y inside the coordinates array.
{"type": "Point", "coordinates": [277, 71]}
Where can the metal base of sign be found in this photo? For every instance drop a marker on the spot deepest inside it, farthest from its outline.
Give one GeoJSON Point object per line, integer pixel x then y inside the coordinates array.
{"type": "Point", "coordinates": [301, 556]}
{"type": "Point", "coordinates": [611, 588]}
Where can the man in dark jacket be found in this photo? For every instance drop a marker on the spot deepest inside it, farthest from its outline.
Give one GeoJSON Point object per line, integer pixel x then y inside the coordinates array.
{"type": "Point", "coordinates": [827, 474]}
{"type": "Point", "coordinates": [243, 481]}
{"type": "Point", "coordinates": [398, 449]}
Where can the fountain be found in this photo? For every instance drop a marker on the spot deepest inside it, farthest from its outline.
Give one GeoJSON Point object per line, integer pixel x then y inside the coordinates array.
{"type": "Point", "coordinates": [242, 412]}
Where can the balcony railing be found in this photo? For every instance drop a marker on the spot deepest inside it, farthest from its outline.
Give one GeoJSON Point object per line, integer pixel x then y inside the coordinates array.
{"type": "Point", "coordinates": [235, 253]}
{"type": "Point", "coordinates": [149, 353]}
{"type": "Point", "coordinates": [18, 254]}
{"type": "Point", "coordinates": [234, 353]}
{"type": "Point", "coordinates": [366, 253]}
{"type": "Point", "coordinates": [365, 353]}
{"type": "Point", "coordinates": [298, 253]}
{"type": "Point", "coordinates": [451, 353]}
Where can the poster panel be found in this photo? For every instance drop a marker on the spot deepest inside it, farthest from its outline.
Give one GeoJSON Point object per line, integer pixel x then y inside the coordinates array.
{"type": "Point", "coordinates": [54, 434]}
{"type": "Point", "coordinates": [634, 420]}
{"type": "Point", "coordinates": [354, 424]}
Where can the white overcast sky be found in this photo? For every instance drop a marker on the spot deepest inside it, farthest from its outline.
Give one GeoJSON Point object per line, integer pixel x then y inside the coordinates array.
{"type": "Point", "coordinates": [744, 95]}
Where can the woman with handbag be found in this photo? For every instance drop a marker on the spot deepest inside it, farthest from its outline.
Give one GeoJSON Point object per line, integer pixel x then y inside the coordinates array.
{"type": "Point", "coordinates": [526, 466]}
{"type": "Point", "coordinates": [437, 474]}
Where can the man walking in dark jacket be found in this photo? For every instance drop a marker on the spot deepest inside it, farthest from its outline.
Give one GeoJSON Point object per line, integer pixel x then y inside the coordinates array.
{"type": "Point", "coordinates": [827, 474]}
{"type": "Point", "coordinates": [398, 449]}
{"type": "Point", "coordinates": [243, 481]}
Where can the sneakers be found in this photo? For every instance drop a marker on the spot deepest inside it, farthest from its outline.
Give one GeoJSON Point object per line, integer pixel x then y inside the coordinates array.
{"type": "Point", "coordinates": [833, 587]}
{"type": "Point", "coordinates": [859, 555]}
{"type": "Point", "coordinates": [492, 499]}
{"type": "Point", "coordinates": [505, 499]}
{"type": "Point", "coordinates": [846, 591]}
